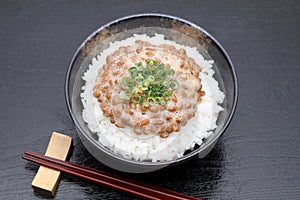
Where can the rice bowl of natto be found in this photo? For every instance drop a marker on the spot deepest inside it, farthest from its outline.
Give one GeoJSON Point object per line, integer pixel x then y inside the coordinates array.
{"type": "Point", "coordinates": [146, 97]}
{"type": "Point", "coordinates": [153, 147]}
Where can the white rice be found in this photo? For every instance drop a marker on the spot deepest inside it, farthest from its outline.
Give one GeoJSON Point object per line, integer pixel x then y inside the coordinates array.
{"type": "Point", "coordinates": [153, 148]}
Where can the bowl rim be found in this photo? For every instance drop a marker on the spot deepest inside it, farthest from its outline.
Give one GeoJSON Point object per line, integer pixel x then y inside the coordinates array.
{"type": "Point", "coordinates": [147, 163]}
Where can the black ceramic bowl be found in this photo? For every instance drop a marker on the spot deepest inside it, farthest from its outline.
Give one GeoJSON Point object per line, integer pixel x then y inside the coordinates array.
{"type": "Point", "coordinates": [175, 29]}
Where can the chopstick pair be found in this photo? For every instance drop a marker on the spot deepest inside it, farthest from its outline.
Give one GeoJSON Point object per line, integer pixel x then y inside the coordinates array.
{"type": "Point", "coordinates": [104, 178]}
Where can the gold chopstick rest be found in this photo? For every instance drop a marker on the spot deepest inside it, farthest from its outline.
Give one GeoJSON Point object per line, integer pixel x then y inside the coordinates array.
{"type": "Point", "coordinates": [46, 180]}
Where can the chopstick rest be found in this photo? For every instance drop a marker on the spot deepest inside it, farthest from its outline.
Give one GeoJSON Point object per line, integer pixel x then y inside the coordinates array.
{"type": "Point", "coordinates": [46, 180]}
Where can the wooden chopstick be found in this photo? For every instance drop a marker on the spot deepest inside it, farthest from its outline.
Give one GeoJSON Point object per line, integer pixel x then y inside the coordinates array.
{"type": "Point", "coordinates": [133, 187]}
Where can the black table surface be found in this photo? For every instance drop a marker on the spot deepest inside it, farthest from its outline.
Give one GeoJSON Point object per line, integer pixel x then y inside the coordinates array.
{"type": "Point", "coordinates": [256, 158]}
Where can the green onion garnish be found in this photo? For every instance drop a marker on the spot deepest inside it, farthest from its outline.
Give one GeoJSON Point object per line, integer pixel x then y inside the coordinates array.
{"type": "Point", "coordinates": [149, 83]}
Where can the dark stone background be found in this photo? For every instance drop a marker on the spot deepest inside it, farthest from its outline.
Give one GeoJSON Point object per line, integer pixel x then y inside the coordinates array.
{"type": "Point", "coordinates": [257, 157]}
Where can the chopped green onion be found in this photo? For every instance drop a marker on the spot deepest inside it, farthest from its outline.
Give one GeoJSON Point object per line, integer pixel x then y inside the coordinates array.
{"type": "Point", "coordinates": [136, 99]}
{"type": "Point", "coordinates": [146, 104]}
{"type": "Point", "coordinates": [132, 69]}
{"type": "Point", "coordinates": [127, 98]}
{"type": "Point", "coordinates": [139, 79]}
{"type": "Point", "coordinates": [158, 99]}
{"type": "Point", "coordinates": [146, 83]}
{"type": "Point", "coordinates": [130, 83]}
{"type": "Point", "coordinates": [151, 62]}
{"type": "Point", "coordinates": [151, 78]}
{"type": "Point", "coordinates": [135, 90]}
{"type": "Point", "coordinates": [167, 98]}
{"type": "Point", "coordinates": [165, 83]}
{"type": "Point", "coordinates": [151, 100]}
{"type": "Point", "coordinates": [172, 72]}
{"type": "Point", "coordinates": [149, 83]}
{"type": "Point", "coordinates": [174, 84]}
{"type": "Point", "coordinates": [162, 102]}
